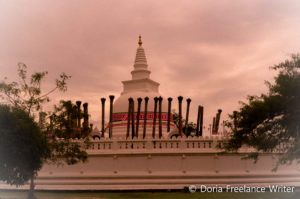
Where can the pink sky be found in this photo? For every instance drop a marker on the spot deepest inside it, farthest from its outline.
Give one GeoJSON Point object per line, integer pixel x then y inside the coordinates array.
{"type": "Point", "coordinates": [215, 52]}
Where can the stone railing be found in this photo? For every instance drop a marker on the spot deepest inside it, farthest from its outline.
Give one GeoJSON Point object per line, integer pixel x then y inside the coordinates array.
{"type": "Point", "coordinates": [207, 144]}
{"type": "Point", "coordinates": [189, 144]}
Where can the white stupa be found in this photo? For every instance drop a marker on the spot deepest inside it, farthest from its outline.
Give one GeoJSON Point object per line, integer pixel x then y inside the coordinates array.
{"type": "Point", "coordinates": [140, 86]}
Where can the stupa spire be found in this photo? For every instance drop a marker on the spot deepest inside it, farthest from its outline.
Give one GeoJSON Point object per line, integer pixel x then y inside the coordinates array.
{"type": "Point", "coordinates": [140, 41]}
{"type": "Point", "coordinates": [140, 74]}
{"type": "Point", "coordinates": [140, 64]}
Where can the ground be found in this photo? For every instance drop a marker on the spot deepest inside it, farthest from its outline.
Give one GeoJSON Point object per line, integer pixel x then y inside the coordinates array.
{"type": "Point", "coordinates": [147, 195]}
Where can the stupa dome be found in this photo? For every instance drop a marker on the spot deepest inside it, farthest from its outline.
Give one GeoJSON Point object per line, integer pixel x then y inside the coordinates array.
{"type": "Point", "coordinates": [140, 86]}
{"type": "Point", "coordinates": [121, 104]}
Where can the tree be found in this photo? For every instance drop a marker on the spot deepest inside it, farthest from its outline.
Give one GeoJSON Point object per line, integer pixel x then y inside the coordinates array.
{"type": "Point", "coordinates": [62, 129]}
{"type": "Point", "coordinates": [191, 125]}
{"type": "Point", "coordinates": [65, 120]}
{"type": "Point", "coordinates": [27, 96]}
{"type": "Point", "coordinates": [271, 122]}
{"type": "Point", "coordinates": [22, 146]}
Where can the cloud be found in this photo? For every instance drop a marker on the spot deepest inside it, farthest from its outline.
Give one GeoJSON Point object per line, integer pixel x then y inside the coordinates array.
{"type": "Point", "coordinates": [216, 52]}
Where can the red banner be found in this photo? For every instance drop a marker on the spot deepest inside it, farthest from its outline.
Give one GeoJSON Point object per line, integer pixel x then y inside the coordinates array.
{"type": "Point", "coordinates": [124, 116]}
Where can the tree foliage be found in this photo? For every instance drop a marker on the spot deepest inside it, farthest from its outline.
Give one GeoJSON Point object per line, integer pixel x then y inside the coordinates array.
{"type": "Point", "coordinates": [25, 97]}
{"type": "Point", "coordinates": [64, 121]}
{"type": "Point", "coordinates": [271, 121]}
{"type": "Point", "coordinates": [63, 129]}
{"type": "Point", "coordinates": [191, 131]}
{"type": "Point", "coordinates": [27, 94]}
{"type": "Point", "coordinates": [22, 146]}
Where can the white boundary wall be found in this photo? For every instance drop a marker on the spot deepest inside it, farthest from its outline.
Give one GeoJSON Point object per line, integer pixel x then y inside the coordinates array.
{"type": "Point", "coordinates": [168, 164]}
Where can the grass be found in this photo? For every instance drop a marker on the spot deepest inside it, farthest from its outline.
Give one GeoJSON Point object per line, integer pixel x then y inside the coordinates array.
{"type": "Point", "coordinates": [147, 195]}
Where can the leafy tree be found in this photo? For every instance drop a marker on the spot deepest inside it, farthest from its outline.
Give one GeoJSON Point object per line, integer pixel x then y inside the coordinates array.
{"type": "Point", "coordinates": [191, 125]}
{"type": "Point", "coordinates": [65, 117]}
{"type": "Point", "coordinates": [22, 146]}
{"type": "Point", "coordinates": [271, 122]}
{"type": "Point", "coordinates": [27, 96]}
{"type": "Point", "coordinates": [64, 126]}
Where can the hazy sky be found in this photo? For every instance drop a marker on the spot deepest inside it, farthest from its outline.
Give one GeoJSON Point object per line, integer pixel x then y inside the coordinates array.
{"type": "Point", "coordinates": [215, 52]}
